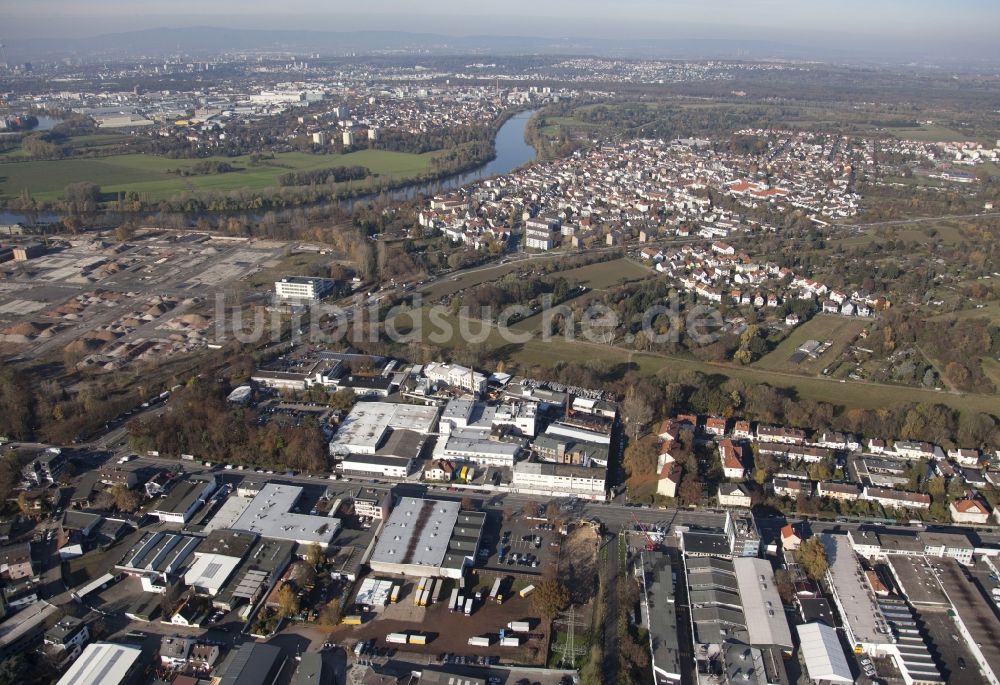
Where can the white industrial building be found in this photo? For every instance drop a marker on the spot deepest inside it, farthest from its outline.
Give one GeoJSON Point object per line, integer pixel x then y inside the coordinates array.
{"type": "Point", "coordinates": [428, 538]}
{"type": "Point", "coordinates": [270, 515]}
{"type": "Point", "coordinates": [157, 558]}
{"type": "Point", "coordinates": [216, 558]}
{"type": "Point", "coordinates": [579, 433]}
{"type": "Point", "coordinates": [367, 426]}
{"type": "Point", "coordinates": [301, 289]}
{"type": "Point", "coordinates": [879, 627]}
{"type": "Point", "coordinates": [478, 450]}
{"type": "Point", "coordinates": [103, 663]}
{"type": "Point", "coordinates": [456, 376]}
{"type": "Point", "coordinates": [183, 500]}
{"type": "Point", "coordinates": [459, 414]}
{"type": "Point", "coordinates": [824, 657]}
{"type": "Point", "coordinates": [560, 479]}
{"type": "Point", "coordinates": [376, 465]}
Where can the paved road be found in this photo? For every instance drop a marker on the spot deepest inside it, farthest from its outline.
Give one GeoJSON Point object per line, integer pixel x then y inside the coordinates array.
{"type": "Point", "coordinates": [609, 667]}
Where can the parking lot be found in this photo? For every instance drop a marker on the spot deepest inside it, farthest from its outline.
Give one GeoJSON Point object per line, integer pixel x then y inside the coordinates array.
{"type": "Point", "coordinates": [518, 545]}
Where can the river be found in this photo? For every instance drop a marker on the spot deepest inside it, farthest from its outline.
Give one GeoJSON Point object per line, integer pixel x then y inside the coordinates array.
{"type": "Point", "coordinates": [512, 151]}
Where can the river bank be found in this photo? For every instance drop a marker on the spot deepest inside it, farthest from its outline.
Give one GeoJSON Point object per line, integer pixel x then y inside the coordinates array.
{"type": "Point", "coordinates": [510, 150]}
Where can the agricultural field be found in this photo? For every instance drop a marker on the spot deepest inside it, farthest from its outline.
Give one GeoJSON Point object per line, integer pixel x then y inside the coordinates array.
{"type": "Point", "coordinates": [823, 328]}
{"type": "Point", "coordinates": [930, 133]}
{"type": "Point", "coordinates": [148, 174]}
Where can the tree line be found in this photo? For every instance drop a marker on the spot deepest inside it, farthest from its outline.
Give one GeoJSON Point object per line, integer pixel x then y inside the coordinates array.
{"type": "Point", "coordinates": [312, 177]}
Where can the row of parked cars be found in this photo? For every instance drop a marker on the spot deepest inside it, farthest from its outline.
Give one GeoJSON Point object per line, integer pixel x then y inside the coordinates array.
{"type": "Point", "coordinates": [459, 659]}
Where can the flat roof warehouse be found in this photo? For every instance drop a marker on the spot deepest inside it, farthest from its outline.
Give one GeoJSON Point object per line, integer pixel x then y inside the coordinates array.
{"type": "Point", "coordinates": [427, 537]}
{"type": "Point", "coordinates": [270, 515]}
{"type": "Point", "coordinates": [364, 430]}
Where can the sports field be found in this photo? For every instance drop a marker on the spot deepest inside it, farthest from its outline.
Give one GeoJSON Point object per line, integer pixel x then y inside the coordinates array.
{"type": "Point", "coordinates": [148, 173]}
{"type": "Point", "coordinates": [840, 330]}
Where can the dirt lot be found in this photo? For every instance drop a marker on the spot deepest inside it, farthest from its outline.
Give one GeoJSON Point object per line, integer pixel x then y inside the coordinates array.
{"type": "Point", "coordinates": [578, 563]}
{"type": "Point", "coordinates": [449, 632]}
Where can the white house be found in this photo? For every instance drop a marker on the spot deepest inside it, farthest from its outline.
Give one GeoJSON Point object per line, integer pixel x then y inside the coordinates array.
{"type": "Point", "coordinates": [732, 460]}
{"type": "Point", "coordinates": [969, 511]}
{"type": "Point", "coordinates": [670, 478]}
{"type": "Point", "coordinates": [965, 457]}
{"type": "Point", "coordinates": [917, 450]}
{"type": "Point", "coordinates": [734, 495]}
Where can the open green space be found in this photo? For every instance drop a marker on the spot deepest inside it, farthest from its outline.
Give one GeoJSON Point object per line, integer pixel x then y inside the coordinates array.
{"type": "Point", "coordinates": [606, 274]}
{"type": "Point", "coordinates": [148, 173]}
{"type": "Point", "coordinates": [846, 393]}
{"type": "Point", "coordinates": [536, 352]}
{"type": "Point", "coordinates": [989, 311]}
{"type": "Point", "coordinates": [929, 133]}
{"type": "Point", "coordinates": [469, 279]}
{"type": "Point", "coordinates": [822, 327]}
{"type": "Point", "coordinates": [991, 367]}
{"type": "Point", "coordinates": [923, 233]}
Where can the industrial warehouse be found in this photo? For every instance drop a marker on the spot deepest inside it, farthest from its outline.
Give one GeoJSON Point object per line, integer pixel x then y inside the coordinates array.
{"type": "Point", "coordinates": [428, 537]}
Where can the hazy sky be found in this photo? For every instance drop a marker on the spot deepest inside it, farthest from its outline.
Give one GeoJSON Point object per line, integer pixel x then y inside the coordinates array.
{"type": "Point", "coordinates": [895, 22]}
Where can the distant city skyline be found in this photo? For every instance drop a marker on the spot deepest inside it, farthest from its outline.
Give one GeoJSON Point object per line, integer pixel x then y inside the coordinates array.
{"type": "Point", "coordinates": [962, 26]}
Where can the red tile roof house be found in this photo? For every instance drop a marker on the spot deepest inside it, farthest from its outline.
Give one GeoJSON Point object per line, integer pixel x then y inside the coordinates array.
{"type": "Point", "coordinates": [669, 430]}
{"type": "Point", "coordinates": [732, 460]}
{"type": "Point", "coordinates": [690, 420]}
{"type": "Point", "coordinates": [715, 426]}
{"type": "Point", "coordinates": [790, 540]}
{"type": "Point", "coordinates": [969, 511]}
{"type": "Point", "coordinates": [670, 478]}
{"type": "Point", "coordinates": [743, 431]}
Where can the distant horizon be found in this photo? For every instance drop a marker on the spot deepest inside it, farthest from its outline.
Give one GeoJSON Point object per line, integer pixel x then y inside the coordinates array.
{"type": "Point", "coordinates": [909, 29]}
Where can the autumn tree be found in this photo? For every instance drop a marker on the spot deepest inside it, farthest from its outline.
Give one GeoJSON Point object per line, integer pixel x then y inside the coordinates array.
{"type": "Point", "coordinates": [329, 615]}
{"type": "Point", "coordinates": [125, 500]}
{"type": "Point", "coordinates": [811, 555]}
{"type": "Point", "coordinates": [637, 413]}
{"type": "Point", "coordinates": [691, 489]}
{"type": "Point", "coordinates": [288, 601]}
{"type": "Point", "coordinates": [786, 589]}
{"type": "Point", "coordinates": [171, 598]}
{"type": "Point", "coordinates": [641, 455]}
{"type": "Point", "coordinates": [17, 405]}
{"type": "Point", "coordinates": [550, 597]}
{"type": "Point", "coordinates": [315, 556]}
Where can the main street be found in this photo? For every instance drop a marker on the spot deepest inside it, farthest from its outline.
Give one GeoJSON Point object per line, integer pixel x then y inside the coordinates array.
{"type": "Point", "coordinates": [614, 516]}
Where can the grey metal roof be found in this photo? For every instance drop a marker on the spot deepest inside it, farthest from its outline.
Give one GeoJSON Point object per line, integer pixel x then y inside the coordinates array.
{"type": "Point", "coordinates": [254, 663]}
{"type": "Point", "coordinates": [765, 614]}
{"type": "Point", "coordinates": [417, 532]}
